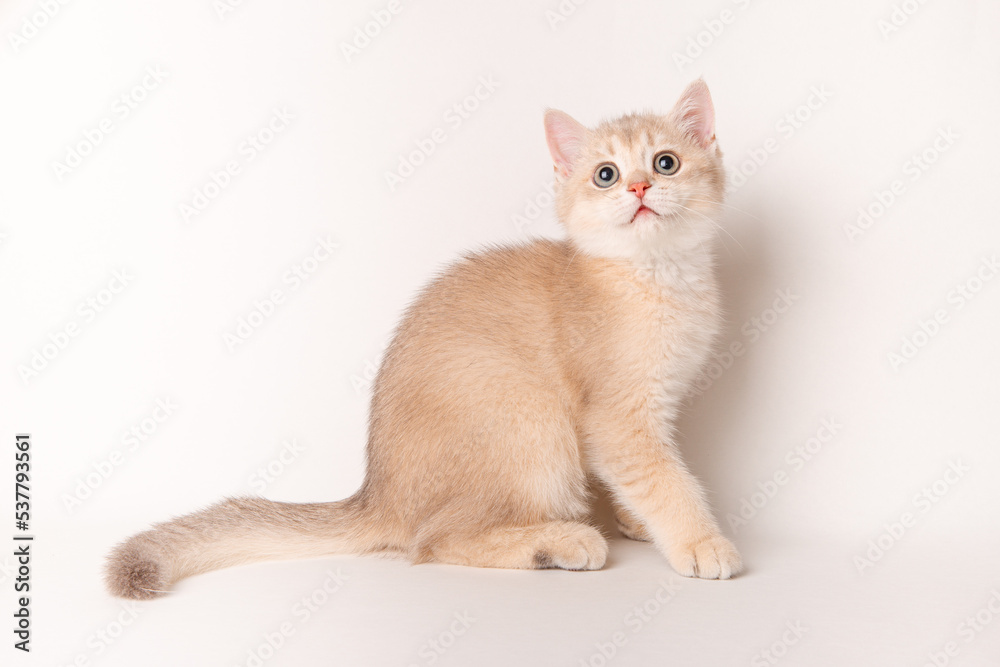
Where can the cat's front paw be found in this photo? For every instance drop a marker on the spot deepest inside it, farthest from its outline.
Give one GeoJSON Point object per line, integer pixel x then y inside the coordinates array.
{"type": "Point", "coordinates": [713, 557]}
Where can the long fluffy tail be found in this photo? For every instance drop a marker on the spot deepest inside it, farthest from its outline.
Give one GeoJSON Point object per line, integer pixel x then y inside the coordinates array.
{"type": "Point", "coordinates": [233, 532]}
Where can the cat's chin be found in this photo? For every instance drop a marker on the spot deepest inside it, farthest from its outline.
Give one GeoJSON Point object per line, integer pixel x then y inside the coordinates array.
{"type": "Point", "coordinates": [643, 217]}
{"type": "Point", "coordinates": [643, 212]}
{"type": "Point", "coordinates": [647, 219]}
{"type": "Point", "coordinates": [648, 238]}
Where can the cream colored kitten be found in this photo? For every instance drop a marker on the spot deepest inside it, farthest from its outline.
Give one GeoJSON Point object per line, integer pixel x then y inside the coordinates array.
{"type": "Point", "coordinates": [518, 375]}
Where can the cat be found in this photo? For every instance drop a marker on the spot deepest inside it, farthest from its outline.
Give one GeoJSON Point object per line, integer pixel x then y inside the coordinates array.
{"type": "Point", "coordinates": [519, 376]}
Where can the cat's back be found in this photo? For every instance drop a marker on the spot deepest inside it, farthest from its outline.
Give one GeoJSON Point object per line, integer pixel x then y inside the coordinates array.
{"type": "Point", "coordinates": [505, 274]}
{"type": "Point", "coordinates": [491, 310]}
{"type": "Point", "coordinates": [494, 292]}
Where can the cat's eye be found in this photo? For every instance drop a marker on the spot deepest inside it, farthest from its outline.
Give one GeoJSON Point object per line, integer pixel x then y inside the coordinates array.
{"type": "Point", "coordinates": [666, 163]}
{"type": "Point", "coordinates": [606, 175]}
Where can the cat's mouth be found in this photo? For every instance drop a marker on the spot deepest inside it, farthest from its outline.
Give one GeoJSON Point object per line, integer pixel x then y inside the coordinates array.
{"type": "Point", "coordinates": [643, 209]}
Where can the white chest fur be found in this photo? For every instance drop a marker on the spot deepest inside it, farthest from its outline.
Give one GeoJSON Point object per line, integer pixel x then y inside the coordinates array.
{"type": "Point", "coordinates": [686, 321]}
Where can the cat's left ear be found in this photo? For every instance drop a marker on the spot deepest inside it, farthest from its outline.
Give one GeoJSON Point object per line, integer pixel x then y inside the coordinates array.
{"type": "Point", "coordinates": [695, 113]}
{"type": "Point", "coordinates": [565, 137]}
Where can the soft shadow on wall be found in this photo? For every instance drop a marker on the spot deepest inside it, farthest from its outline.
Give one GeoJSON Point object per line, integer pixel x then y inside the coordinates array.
{"type": "Point", "coordinates": [712, 429]}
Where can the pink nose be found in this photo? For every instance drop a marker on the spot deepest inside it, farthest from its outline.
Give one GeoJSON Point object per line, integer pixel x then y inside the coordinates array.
{"type": "Point", "coordinates": [639, 188]}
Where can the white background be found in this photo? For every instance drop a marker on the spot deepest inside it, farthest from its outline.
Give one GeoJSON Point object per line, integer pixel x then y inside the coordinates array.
{"type": "Point", "coordinates": [856, 298]}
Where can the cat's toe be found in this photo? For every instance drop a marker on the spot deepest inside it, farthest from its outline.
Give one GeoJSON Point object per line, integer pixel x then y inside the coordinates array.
{"type": "Point", "coordinates": [580, 547]}
{"type": "Point", "coordinates": [710, 558]}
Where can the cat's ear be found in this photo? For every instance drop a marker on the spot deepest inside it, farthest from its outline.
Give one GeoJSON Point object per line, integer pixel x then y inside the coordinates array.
{"type": "Point", "coordinates": [695, 114]}
{"type": "Point", "coordinates": [565, 137]}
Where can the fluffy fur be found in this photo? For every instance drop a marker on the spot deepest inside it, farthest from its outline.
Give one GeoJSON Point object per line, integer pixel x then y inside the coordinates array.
{"type": "Point", "coordinates": [517, 377]}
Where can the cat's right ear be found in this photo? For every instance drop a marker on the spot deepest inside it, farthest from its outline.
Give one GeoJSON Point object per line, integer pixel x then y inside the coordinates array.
{"type": "Point", "coordinates": [565, 137]}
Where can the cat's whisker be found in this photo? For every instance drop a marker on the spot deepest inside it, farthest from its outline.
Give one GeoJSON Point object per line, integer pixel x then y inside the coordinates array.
{"type": "Point", "coordinates": [719, 203]}
{"type": "Point", "coordinates": [572, 257]}
{"type": "Point", "coordinates": [715, 226]}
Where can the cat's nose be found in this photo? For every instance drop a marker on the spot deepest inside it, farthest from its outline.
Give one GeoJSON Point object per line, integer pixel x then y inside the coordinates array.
{"type": "Point", "coordinates": [639, 188]}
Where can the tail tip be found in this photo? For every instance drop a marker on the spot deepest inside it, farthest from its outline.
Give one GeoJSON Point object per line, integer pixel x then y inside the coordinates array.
{"type": "Point", "coordinates": [135, 573]}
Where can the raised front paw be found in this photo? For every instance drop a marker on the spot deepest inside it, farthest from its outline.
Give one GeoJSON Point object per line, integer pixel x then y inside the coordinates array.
{"type": "Point", "coordinates": [713, 557]}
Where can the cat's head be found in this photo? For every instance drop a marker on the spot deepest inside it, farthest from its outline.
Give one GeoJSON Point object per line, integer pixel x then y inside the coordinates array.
{"type": "Point", "coordinates": [641, 183]}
